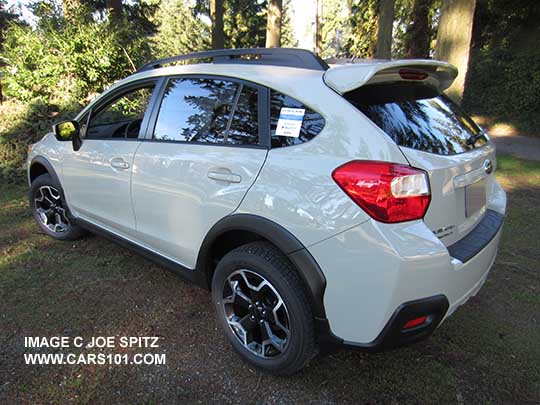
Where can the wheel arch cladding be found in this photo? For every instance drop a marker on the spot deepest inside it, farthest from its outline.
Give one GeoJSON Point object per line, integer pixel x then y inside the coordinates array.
{"type": "Point", "coordinates": [238, 229]}
{"type": "Point", "coordinates": [39, 166]}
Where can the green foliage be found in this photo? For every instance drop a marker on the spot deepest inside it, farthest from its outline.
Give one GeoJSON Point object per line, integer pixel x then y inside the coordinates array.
{"type": "Point", "coordinates": [363, 20]}
{"type": "Point", "coordinates": [180, 30]}
{"type": "Point", "coordinates": [336, 35]}
{"type": "Point", "coordinates": [63, 60]}
{"type": "Point", "coordinates": [245, 23]}
{"type": "Point", "coordinates": [505, 85]}
{"type": "Point", "coordinates": [503, 81]}
{"type": "Point", "coordinates": [22, 125]}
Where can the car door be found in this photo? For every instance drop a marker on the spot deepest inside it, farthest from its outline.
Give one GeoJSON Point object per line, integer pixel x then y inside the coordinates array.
{"type": "Point", "coordinates": [97, 177]}
{"type": "Point", "coordinates": [204, 150]}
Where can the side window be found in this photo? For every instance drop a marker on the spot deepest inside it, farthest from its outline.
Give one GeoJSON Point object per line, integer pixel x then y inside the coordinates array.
{"type": "Point", "coordinates": [305, 123]}
{"type": "Point", "coordinates": [244, 128]}
{"type": "Point", "coordinates": [208, 111]}
{"type": "Point", "coordinates": [122, 117]}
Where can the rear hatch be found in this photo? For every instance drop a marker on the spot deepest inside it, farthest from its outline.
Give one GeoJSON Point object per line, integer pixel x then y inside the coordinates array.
{"type": "Point", "coordinates": [405, 100]}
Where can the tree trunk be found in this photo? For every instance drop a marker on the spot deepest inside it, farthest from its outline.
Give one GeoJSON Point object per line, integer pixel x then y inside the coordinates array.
{"type": "Point", "coordinates": [114, 7]}
{"type": "Point", "coordinates": [418, 35]}
{"type": "Point", "coordinates": [383, 48]}
{"type": "Point", "coordinates": [273, 24]}
{"type": "Point", "coordinates": [216, 15]}
{"type": "Point", "coordinates": [454, 40]}
{"type": "Point", "coordinates": [318, 27]}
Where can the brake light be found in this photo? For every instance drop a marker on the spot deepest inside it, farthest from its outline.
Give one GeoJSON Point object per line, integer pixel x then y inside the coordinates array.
{"type": "Point", "coordinates": [408, 74]}
{"type": "Point", "coordinates": [388, 192]}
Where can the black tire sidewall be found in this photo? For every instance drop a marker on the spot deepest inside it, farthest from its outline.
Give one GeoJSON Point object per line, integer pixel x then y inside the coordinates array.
{"type": "Point", "coordinates": [298, 316]}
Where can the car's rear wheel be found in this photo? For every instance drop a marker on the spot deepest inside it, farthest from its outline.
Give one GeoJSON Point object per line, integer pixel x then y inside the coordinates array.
{"type": "Point", "coordinates": [263, 308]}
{"type": "Point", "coordinates": [50, 210]}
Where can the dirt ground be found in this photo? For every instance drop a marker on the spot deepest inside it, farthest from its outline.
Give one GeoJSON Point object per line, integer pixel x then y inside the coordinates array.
{"type": "Point", "coordinates": [489, 351]}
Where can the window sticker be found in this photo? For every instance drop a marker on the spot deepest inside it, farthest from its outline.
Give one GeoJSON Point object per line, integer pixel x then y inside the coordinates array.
{"type": "Point", "coordinates": [290, 122]}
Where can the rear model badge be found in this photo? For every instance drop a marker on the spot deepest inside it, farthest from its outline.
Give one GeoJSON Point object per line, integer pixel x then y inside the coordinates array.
{"type": "Point", "coordinates": [487, 166]}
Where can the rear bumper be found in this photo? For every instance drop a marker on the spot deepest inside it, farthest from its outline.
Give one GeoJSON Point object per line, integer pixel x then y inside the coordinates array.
{"type": "Point", "coordinates": [378, 274]}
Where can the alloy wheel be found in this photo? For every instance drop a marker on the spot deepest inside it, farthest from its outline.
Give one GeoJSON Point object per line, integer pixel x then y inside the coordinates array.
{"type": "Point", "coordinates": [256, 313]}
{"type": "Point", "coordinates": [50, 209]}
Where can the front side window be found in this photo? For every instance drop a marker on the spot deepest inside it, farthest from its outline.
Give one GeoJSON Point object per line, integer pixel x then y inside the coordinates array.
{"type": "Point", "coordinates": [291, 122]}
{"type": "Point", "coordinates": [208, 111]}
{"type": "Point", "coordinates": [122, 117]}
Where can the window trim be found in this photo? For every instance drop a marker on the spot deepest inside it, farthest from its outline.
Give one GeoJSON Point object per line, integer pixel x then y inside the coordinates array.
{"type": "Point", "coordinates": [262, 113]}
{"type": "Point", "coordinates": [117, 94]}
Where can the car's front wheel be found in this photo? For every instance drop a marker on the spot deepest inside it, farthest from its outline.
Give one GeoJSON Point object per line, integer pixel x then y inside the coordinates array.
{"type": "Point", "coordinates": [50, 210]}
{"type": "Point", "coordinates": [262, 305]}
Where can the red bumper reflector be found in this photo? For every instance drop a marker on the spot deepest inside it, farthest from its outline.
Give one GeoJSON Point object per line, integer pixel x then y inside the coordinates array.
{"type": "Point", "coordinates": [415, 322]}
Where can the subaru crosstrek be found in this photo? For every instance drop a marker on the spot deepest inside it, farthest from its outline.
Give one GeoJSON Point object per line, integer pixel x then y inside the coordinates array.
{"type": "Point", "coordinates": [323, 206]}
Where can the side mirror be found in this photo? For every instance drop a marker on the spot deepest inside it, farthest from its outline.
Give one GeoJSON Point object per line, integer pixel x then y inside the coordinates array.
{"type": "Point", "coordinates": [66, 131]}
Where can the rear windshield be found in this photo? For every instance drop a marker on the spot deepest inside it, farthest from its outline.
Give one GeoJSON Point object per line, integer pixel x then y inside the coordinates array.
{"type": "Point", "coordinates": [419, 117]}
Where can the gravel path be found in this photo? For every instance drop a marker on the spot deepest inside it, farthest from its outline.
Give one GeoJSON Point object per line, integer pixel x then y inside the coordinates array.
{"type": "Point", "coordinates": [523, 147]}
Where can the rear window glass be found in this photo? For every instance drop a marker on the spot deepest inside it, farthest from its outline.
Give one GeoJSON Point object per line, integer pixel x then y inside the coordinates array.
{"type": "Point", "coordinates": [418, 117]}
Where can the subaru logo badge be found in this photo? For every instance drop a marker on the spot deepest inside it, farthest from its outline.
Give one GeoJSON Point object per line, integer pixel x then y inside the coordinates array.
{"type": "Point", "coordinates": [488, 166]}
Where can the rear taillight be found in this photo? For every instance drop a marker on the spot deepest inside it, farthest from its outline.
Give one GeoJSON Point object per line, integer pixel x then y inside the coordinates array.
{"type": "Point", "coordinates": [388, 192]}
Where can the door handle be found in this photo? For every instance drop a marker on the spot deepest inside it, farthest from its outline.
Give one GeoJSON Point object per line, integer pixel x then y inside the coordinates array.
{"type": "Point", "coordinates": [119, 163]}
{"type": "Point", "coordinates": [227, 177]}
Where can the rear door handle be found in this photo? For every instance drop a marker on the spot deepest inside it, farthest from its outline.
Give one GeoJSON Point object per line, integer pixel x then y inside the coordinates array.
{"type": "Point", "coordinates": [227, 177]}
{"type": "Point", "coordinates": [119, 163]}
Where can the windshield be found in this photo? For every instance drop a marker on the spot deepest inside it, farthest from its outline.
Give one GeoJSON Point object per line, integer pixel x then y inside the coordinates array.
{"type": "Point", "coordinates": [419, 117]}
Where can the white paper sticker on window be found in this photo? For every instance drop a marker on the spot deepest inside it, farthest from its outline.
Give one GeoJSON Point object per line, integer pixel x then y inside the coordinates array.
{"type": "Point", "coordinates": [290, 122]}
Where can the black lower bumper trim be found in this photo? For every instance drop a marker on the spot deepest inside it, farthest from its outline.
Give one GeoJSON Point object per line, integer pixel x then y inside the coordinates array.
{"type": "Point", "coordinates": [468, 247]}
{"type": "Point", "coordinates": [392, 335]}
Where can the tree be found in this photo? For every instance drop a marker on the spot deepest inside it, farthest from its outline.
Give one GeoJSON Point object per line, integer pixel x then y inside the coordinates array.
{"type": "Point", "coordinates": [179, 30]}
{"type": "Point", "coordinates": [216, 15]}
{"type": "Point", "coordinates": [454, 40]}
{"type": "Point", "coordinates": [383, 47]}
{"type": "Point", "coordinates": [114, 7]}
{"type": "Point", "coordinates": [273, 25]}
{"type": "Point", "coordinates": [418, 35]}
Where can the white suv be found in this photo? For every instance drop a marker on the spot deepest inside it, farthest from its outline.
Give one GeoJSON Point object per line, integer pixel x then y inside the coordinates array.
{"type": "Point", "coordinates": [323, 206]}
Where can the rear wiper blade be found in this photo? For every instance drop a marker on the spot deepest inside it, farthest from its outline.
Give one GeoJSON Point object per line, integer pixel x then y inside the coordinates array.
{"type": "Point", "coordinates": [472, 140]}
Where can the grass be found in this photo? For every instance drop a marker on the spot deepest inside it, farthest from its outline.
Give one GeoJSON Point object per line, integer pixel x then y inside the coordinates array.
{"type": "Point", "coordinates": [488, 352]}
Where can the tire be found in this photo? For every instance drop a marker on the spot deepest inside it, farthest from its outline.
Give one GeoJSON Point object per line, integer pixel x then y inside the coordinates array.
{"type": "Point", "coordinates": [262, 265]}
{"type": "Point", "coordinates": [50, 209]}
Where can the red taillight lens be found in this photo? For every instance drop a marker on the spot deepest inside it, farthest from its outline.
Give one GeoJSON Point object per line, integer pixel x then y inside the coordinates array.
{"type": "Point", "coordinates": [388, 192]}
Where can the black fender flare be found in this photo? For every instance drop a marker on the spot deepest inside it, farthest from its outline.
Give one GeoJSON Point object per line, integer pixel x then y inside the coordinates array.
{"type": "Point", "coordinates": [45, 163]}
{"type": "Point", "coordinates": [284, 240]}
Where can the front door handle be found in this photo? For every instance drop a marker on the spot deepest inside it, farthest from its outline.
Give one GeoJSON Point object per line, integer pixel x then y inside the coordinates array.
{"type": "Point", "coordinates": [119, 163]}
{"type": "Point", "coordinates": [227, 177]}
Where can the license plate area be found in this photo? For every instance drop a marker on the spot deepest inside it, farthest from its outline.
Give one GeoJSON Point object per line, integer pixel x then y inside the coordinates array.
{"type": "Point", "coordinates": [475, 197]}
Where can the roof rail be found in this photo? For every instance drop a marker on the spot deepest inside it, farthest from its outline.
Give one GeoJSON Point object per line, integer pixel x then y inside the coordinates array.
{"type": "Point", "coordinates": [290, 57]}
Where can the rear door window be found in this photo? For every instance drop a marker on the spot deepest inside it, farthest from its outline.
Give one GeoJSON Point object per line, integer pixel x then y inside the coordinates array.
{"type": "Point", "coordinates": [206, 110]}
{"type": "Point", "coordinates": [418, 117]}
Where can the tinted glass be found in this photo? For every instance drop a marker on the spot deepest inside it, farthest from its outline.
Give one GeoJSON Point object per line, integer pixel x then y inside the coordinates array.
{"type": "Point", "coordinates": [244, 128]}
{"type": "Point", "coordinates": [120, 118]}
{"type": "Point", "coordinates": [208, 110]}
{"type": "Point", "coordinates": [312, 121]}
{"type": "Point", "coordinates": [418, 117]}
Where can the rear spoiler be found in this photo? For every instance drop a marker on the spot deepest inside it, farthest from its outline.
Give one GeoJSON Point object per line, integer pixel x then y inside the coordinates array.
{"type": "Point", "coordinates": [344, 78]}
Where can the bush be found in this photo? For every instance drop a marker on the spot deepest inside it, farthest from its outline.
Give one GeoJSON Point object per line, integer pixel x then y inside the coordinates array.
{"type": "Point", "coordinates": [505, 85]}
{"type": "Point", "coordinates": [22, 124]}
{"type": "Point", "coordinates": [62, 62]}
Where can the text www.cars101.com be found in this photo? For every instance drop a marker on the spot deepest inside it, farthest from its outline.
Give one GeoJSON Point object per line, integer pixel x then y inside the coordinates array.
{"type": "Point", "coordinates": [94, 358]}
